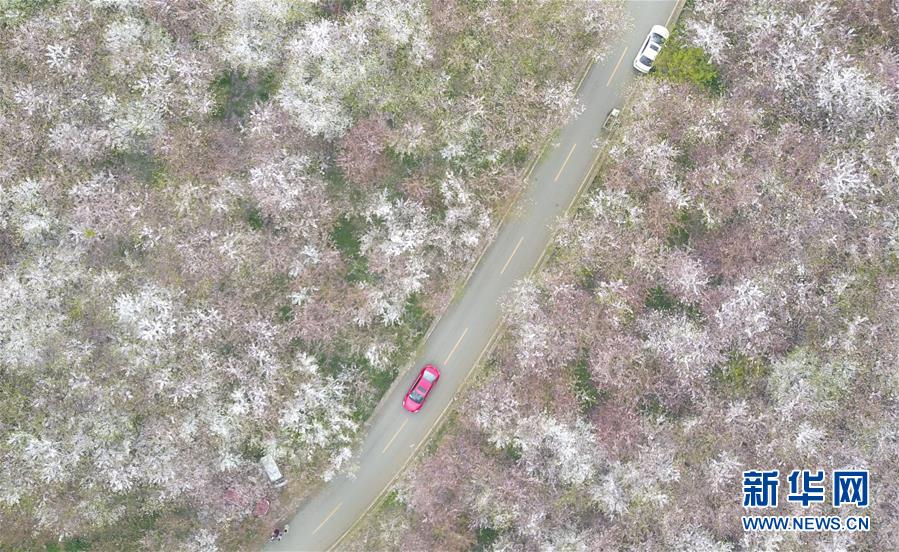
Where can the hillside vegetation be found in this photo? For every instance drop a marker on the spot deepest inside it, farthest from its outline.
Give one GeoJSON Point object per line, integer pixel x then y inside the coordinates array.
{"type": "Point", "coordinates": [225, 225]}
{"type": "Point", "coordinates": [724, 298]}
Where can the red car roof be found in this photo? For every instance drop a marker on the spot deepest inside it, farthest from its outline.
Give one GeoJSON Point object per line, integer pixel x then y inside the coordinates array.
{"type": "Point", "coordinates": [421, 388]}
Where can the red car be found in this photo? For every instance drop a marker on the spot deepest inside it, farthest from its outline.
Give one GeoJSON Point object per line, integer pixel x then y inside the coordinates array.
{"type": "Point", "coordinates": [420, 389]}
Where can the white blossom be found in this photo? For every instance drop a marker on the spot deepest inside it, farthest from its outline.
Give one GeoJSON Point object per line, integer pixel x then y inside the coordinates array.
{"type": "Point", "coordinates": [557, 451]}
{"type": "Point", "coordinates": [148, 313]}
{"type": "Point", "coordinates": [694, 538]}
{"type": "Point", "coordinates": [683, 344]}
{"type": "Point", "coordinates": [846, 181]}
{"type": "Point", "coordinates": [745, 317]}
{"type": "Point", "coordinates": [846, 93]}
{"type": "Point", "coordinates": [809, 439]}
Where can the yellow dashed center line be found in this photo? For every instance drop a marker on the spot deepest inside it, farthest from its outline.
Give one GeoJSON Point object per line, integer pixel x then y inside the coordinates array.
{"type": "Point", "coordinates": [324, 521]}
{"type": "Point", "coordinates": [395, 435]}
{"type": "Point", "coordinates": [514, 251]}
{"type": "Point", "coordinates": [455, 346]}
{"type": "Point", "coordinates": [565, 163]}
{"type": "Point", "coordinates": [615, 70]}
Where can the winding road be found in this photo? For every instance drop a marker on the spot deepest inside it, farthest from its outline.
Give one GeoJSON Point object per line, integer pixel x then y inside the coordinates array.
{"type": "Point", "coordinates": [463, 333]}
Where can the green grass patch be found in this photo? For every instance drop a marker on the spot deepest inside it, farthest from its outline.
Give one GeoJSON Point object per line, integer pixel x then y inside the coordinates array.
{"type": "Point", "coordinates": [486, 537]}
{"type": "Point", "coordinates": [358, 271]}
{"type": "Point", "coordinates": [236, 93]}
{"type": "Point", "coordinates": [688, 224]}
{"type": "Point", "coordinates": [511, 452]}
{"type": "Point", "coordinates": [382, 380]}
{"type": "Point", "coordinates": [683, 159]}
{"type": "Point", "coordinates": [660, 299]}
{"type": "Point", "coordinates": [13, 12]}
{"type": "Point", "coordinates": [252, 450]}
{"type": "Point", "coordinates": [586, 278]}
{"type": "Point", "coordinates": [391, 499]}
{"type": "Point", "coordinates": [678, 236]}
{"type": "Point", "coordinates": [333, 9]}
{"type": "Point", "coordinates": [650, 407]}
{"type": "Point", "coordinates": [346, 235]}
{"type": "Point", "coordinates": [279, 282]}
{"type": "Point", "coordinates": [860, 297]}
{"type": "Point", "coordinates": [741, 374]}
{"type": "Point", "coordinates": [123, 534]}
{"type": "Point", "coordinates": [339, 188]}
{"type": "Point", "coordinates": [143, 166]}
{"type": "Point", "coordinates": [518, 156]}
{"type": "Point", "coordinates": [285, 313]}
{"type": "Point", "coordinates": [416, 319]}
{"type": "Point", "coordinates": [76, 544]}
{"type": "Point", "coordinates": [128, 247]}
{"type": "Point", "coordinates": [407, 162]}
{"type": "Point", "coordinates": [414, 324]}
{"type": "Point", "coordinates": [253, 217]}
{"type": "Point", "coordinates": [16, 395]}
{"type": "Point", "coordinates": [588, 396]}
{"type": "Point", "coordinates": [681, 63]}
{"type": "Point", "coordinates": [340, 357]}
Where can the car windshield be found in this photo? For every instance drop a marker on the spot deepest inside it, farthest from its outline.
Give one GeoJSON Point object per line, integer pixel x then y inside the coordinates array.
{"type": "Point", "coordinates": [416, 398]}
{"type": "Point", "coordinates": [645, 61]}
{"type": "Point", "coordinates": [429, 376]}
{"type": "Point", "coordinates": [657, 38]}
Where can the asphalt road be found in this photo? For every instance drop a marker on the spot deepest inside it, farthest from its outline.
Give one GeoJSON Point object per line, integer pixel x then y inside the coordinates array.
{"type": "Point", "coordinates": [465, 329]}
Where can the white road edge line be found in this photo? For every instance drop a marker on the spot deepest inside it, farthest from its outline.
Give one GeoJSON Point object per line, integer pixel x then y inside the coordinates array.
{"type": "Point", "coordinates": [514, 251]}
{"type": "Point", "coordinates": [583, 78]}
{"type": "Point", "coordinates": [670, 15]}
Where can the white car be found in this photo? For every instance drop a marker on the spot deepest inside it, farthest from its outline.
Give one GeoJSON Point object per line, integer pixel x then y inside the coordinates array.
{"type": "Point", "coordinates": [651, 48]}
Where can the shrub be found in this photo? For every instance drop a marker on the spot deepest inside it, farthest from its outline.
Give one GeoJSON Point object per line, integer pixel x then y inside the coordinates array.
{"type": "Point", "coordinates": [678, 62]}
{"type": "Point", "coordinates": [688, 224]}
{"type": "Point", "coordinates": [660, 299]}
{"type": "Point", "coordinates": [345, 235]}
{"type": "Point", "coordinates": [740, 374]}
{"type": "Point", "coordinates": [586, 392]}
{"type": "Point", "coordinates": [237, 93]}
